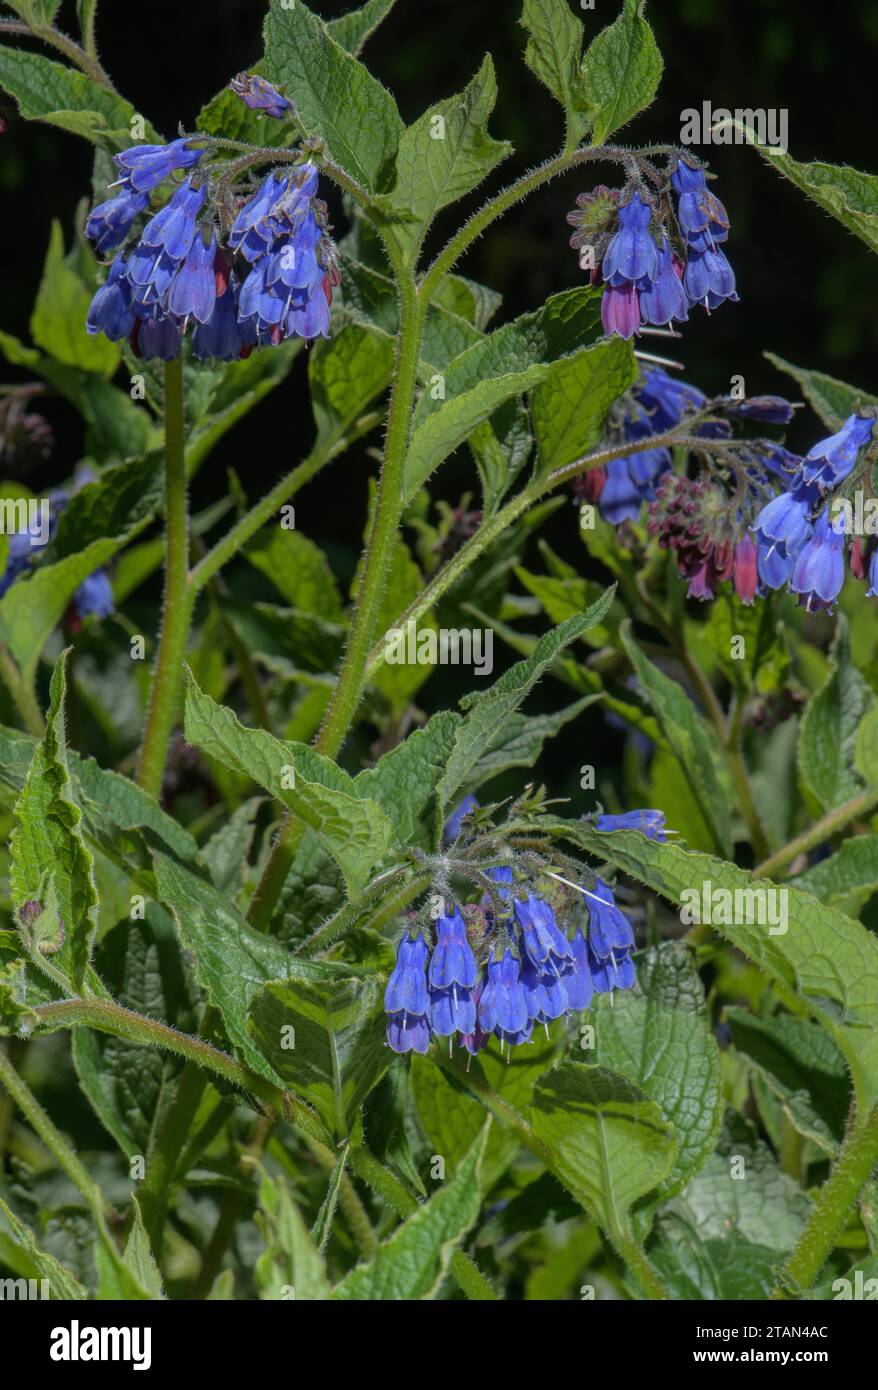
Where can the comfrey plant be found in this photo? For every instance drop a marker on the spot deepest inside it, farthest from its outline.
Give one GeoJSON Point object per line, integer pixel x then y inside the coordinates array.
{"type": "Point", "coordinates": [353, 987]}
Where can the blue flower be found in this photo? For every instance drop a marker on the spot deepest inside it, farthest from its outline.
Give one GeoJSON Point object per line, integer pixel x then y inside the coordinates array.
{"type": "Point", "coordinates": [577, 980]}
{"type": "Point", "coordinates": [110, 311]}
{"type": "Point", "coordinates": [407, 1033]}
{"type": "Point", "coordinates": [651, 823]}
{"type": "Point", "coordinates": [192, 292]}
{"type": "Point", "coordinates": [664, 299]}
{"type": "Point", "coordinates": [872, 591]}
{"type": "Point", "coordinates": [503, 1005]}
{"type": "Point", "coordinates": [698, 210]}
{"type": "Point", "coordinates": [94, 597]}
{"type": "Point", "coordinates": [452, 1011]}
{"type": "Point", "coordinates": [222, 336]}
{"type": "Point", "coordinates": [830, 461]}
{"type": "Point", "coordinates": [110, 222]}
{"type": "Point", "coordinates": [709, 279]}
{"type": "Point", "coordinates": [609, 932]}
{"type": "Point", "coordinates": [544, 941]}
{"type": "Point", "coordinates": [784, 523]}
{"type": "Point", "coordinates": [406, 991]}
{"type": "Point", "coordinates": [454, 823]}
{"type": "Point", "coordinates": [617, 972]}
{"type": "Point", "coordinates": [145, 166]}
{"type": "Point", "coordinates": [173, 228]}
{"type": "Point", "coordinates": [818, 573]}
{"type": "Point", "coordinates": [452, 961]}
{"type": "Point", "coordinates": [632, 254]}
{"type": "Point", "coordinates": [259, 95]}
{"type": "Point", "coordinates": [159, 338]}
{"type": "Point", "coordinates": [544, 992]}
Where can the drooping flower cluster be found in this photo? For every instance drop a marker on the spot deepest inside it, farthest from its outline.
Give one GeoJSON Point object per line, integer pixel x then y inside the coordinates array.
{"type": "Point", "coordinates": [800, 538]}
{"type": "Point", "coordinates": [94, 596]}
{"type": "Point", "coordinates": [245, 276]}
{"type": "Point", "coordinates": [655, 404]}
{"type": "Point", "coordinates": [655, 260]}
{"type": "Point", "coordinates": [507, 965]}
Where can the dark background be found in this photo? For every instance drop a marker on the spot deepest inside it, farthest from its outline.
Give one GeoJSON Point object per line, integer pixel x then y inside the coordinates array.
{"type": "Point", "coordinates": [807, 287]}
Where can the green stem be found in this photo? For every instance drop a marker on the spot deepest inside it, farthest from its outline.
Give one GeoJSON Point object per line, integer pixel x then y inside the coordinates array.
{"type": "Point", "coordinates": [177, 603]}
{"type": "Point", "coordinates": [821, 830]}
{"type": "Point", "coordinates": [512, 194]}
{"type": "Point", "coordinates": [86, 61]}
{"type": "Point", "coordinates": [351, 682]}
{"type": "Point", "coordinates": [740, 777]}
{"type": "Point", "coordinates": [854, 1167]}
{"type": "Point", "coordinates": [51, 1137]}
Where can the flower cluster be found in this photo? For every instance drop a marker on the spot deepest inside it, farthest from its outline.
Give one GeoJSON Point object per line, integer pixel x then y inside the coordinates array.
{"type": "Point", "coordinates": [655, 404]}
{"type": "Point", "coordinates": [799, 542]}
{"type": "Point", "coordinates": [508, 964]}
{"type": "Point", "coordinates": [656, 260]}
{"type": "Point", "coordinates": [247, 276]}
{"type": "Point", "coordinates": [94, 596]}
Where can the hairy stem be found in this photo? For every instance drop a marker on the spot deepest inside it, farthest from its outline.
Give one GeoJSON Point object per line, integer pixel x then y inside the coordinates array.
{"type": "Point", "coordinates": [821, 830]}
{"type": "Point", "coordinates": [30, 1107]}
{"type": "Point", "coordinates": [852, 1170]}
{"type": "Point", "coordinates": [176, 602]}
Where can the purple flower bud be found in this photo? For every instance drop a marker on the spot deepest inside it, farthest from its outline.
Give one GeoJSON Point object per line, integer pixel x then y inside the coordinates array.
{"type": "Point", "coordinates": [110, 311]}
{"type": "Point", "coordinates": [830, 461]}
{"type": "Point", "coordinates": [770, 410]}
{"type": "Point", "coordinates": [632, 254]}
{"type": "Point", "coordinates": [145, 166]}
{"type": "Point", "coordinates": [664, 299]}
{"type": "Point", "coordinates": [259, 95]}
{"type": "Point", "coordinates": [109, 223]}
{"type": "Point", "coordinates": [173, 229]}
{"type": "Point", "coordinates": [620, 310]}
{"type": "Point", "coordinates": [94, 597]}
{"type": "Point", "coordinates": [651, 823]}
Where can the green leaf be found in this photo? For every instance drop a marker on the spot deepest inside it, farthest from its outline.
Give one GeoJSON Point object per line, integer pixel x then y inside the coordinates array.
{"type": "Point", "coordinates": [829, 961]}
{"type": "Point", "coordinates": [121, 501]}
{"type": "Point", "coordinates": [351, 31]}
{"type": "Point", "coordinates": [829, 398]}
{"type": "Point", "coordinates": [61, 96]}
{"type": "Point", "coordinates": [58, 319]}
{"type": "Point", "coordinates": [138, 1257]}
{"type": "Point", "coordinates": [402, 782]}
{"type": "Point", "coordinates": [803, 1067]}
{"type": "Point", "coordinates": [232, 962]}
{"type": "Point", "coordinates": [384, 1122]}
{"type": "Point", "coordinates": [609, 1143]}
{"type": "Point", "coordinates": [570, 406]}
{"type": "Point", "coordinates": [346, 373]}
{"type": "Point", "coordinates": [452, 1118]}
{"type": "Point", "coordinates": [501, 365]}
{"type": "Point", "coordinates": [117, 428]}
{"type": "Point", "coordinates": [659, 1038]}
{"type": "Point", "coordinates": [32, 607]}
{"type": "Point", "coordinates": [521, 738]}
{"type": "Point", "coordinates": [357, 833]}
{"type": "Point", "coordinates": [554, 53]}
{"type": "Point", "coordinates": [847, 194]}
{"type": "Point", "coordinates": [291, 1266]}
{"type": "Point", "coordinates": [336, 97]}
{"type": "Point", "coordinates": [688, 739]}
{"type": "Point", "coordinates": [725, 1267]}
{"type": "Point", "coordinates": [62, 1285]}
{"type": "Point", "coordinates": [488, 710]}
{"type": "Point", "coordinates": [47, 840]}
{"type": "Point", "coordinates": [848, 878]}
{"type": "Point", "coordinates": [413, 1262]}
{"type": "Point", "coordinates": [621, 71]}
{"type": "Point", "coordinates": [130, 1086]}
{"type": "Point", "coordinates": [336, 1051]}
{"type": "Point", "coordinates": [829, 728]}
{"type": "Point", "coordinates": [16, 1013]}
{"type": "Point", "coordinates": [446, 154]}
{"type": "Point", "coordinates": [298, 569]}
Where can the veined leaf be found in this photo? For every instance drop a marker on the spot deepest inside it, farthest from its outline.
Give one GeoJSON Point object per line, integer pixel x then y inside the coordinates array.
{"type": "Point", "coordinates": [609, 1143]}
{"type": "Point", "coordinates": [847, 194]}
{"type": "Point", "coordinates": [357, 833]}
{"type": "Point", "coordinates": [323, 1032]}
{"type": "Point", "coordinates": [47, 840]}
{"type": "Point", "coordinates": [291, 1266]}
{"type": "Point", "coordinates": [488, 710]}
{"type": "Point", "coordinates": [659, 1038]}
{"type": "Point", "coordinates": [413, 1262]}
{"type": "Point", "coordinates": [829, 728]}
{"type": "Point", "coordinates": [829, 961]}
{"type": "Point", "coordinates": [351, 30]}
{"type": "Point", "coordinates": [346, 373]}
{"type": "Point", "coordinates": [570, 405]}
{"type": "Point", "coordinates": [621, 71]}
{"type": "Point", "coordinates": [62, 1285]}
{"type": "Point", "coordinates": [554, 54]}
{"type": "Point", "coordinates": [848, 878]}
{"type": "Point", "coordinates": [829, 398]}
{"type": "Point", "coordinates": [446, 154]}
{"type": "Point", "coordinates": [62, 96]}
{"type": "Point", "coordinates": [335, 95]}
